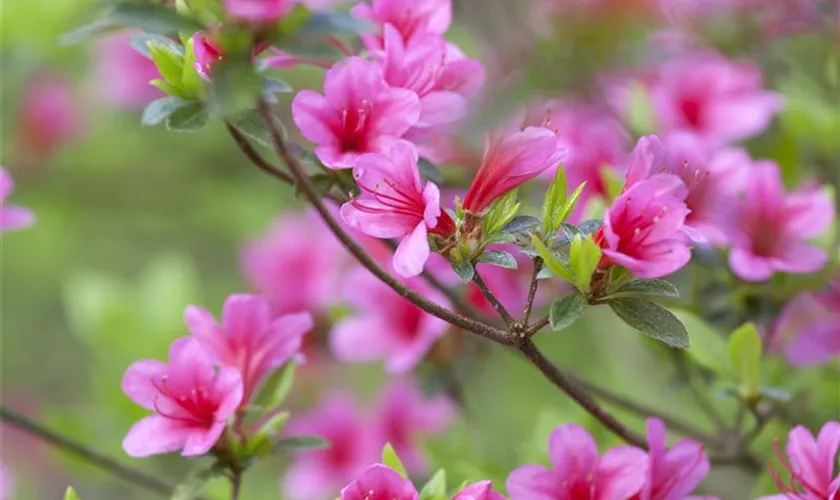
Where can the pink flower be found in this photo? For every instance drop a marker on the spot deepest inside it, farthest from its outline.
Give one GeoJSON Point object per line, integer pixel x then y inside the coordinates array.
{"type": "Point", "coordinates": [443, 83]}
{"type": "Point", "coordinates": [409, 17]}
{"type": "Point", "coordinates": [767, 227]}
{"type": "Point", "coordinates": [511, 159]}
{"type": "Point", "coordinates": [672, 474]}
{"type": "Point", "coordinates": [578, 472]}
{"type": "Point", "coordinates": [357, 114]}
{"type": "Point", "coordinates": [207, 54]}
{"type": "Point", "coordinates": [191, 398]}
{"type": "Point", "coordinates": [404, 415]}
{"type": "Point", "coordinates": [810, 327]}
{"type": "Point", "coordinates": [394, 204]}
{"type": "Point", "coordinates": [49, 118]}
{"type": "Point", "coordinates": [379, 482]}
{"type": "Point", "coordinates": [386, 326]}
{"type": "Point", "coordinates": [479, 491]}
{"type": "Point", "coordinates": [249, 338]}
{"type": "Point", "coordinates": [296, 265]}
{"type": "Point", "coordinates": [810, 466]}
{"type": "Point", "coordinates": [123, 74]}
{"type": "Point", "coordinates": [12, 216]}
{"type": "Point", "coordinates": [258, 11]}
{"type": "Point", "coordinates": [353, 446]}
{"type": "Point", "coordinates": [719, 100]}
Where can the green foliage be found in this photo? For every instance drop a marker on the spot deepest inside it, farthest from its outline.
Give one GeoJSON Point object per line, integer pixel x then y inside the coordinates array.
{"type": "Point", "coordinates": [744, 353]}
{"type": "Point", "coordinates": [191, 486]}
{"type": "Point", "coordinates": [435, 489]}
{"type": "Point", "coordinates": [430, 172]}
{"type": "Point", "coordinates": [557, 206]}
{"type": "Point", "coordinates": [551, 261]}
{"type": "Point", "coordinates": [390, 459]}
{"type": "Point", "coordinates": [498, 258]}
{"type": "Point", "coordinates": [151, 18]}
{"type": "Point", "coordinates": [566, 311]}
{"type": "Point", "coordinates": [501, 213]}
{"type": "Point", "coordinates": [160, 110]}
{"type": "Point", "coordinates": [70, 494]}
{"type": "Point", "coordinates": [294, 444]}
{"type": "Point", "coordinates": [652, 320]}
{"type": "Point", "coordinates": [277, 387]}
{"type": "Point", "coordinates": [584, 256]}
{"type": "Point", "coordinates": [464, 270]}
{"type": "Point", "coordinates": [262, 443]}
{"type": "Point", "coordinates": [235, 86]}
{"type": "Point", "coordinates": [191, 117]}
{"type": "Point", "coordinates": [651, 288]}
{"type": "Point", "coordinates": [640, 117]}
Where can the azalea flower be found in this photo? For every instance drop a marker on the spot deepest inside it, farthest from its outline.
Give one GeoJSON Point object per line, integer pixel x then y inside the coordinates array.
{"type": "Point", "coordinates": [410, 18]}
{"type": "Point", "coordinates": [380, 482]}
{"type": "Point", "coordinates": [809, 465]}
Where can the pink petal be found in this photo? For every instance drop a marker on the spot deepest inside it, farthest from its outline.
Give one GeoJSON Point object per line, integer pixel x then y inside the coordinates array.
{"type": "Point", "coordinates": [139, 382]}
{"type": "Point", "coordinates": [438, 108]}
{"type": "Point", "coordinates": [245, 316]}
{"type": "Point", "coordinates": [406, 356]}
{"type": "Point", "coordinates": [227, 390]}
{"type": "Point", "coordinates": [431, 198]}
{"type": "Point", "coordinates": [7, 185]}
{"type": "Point", "coordinates": [533, 482]}
{"type": "Point", "coordinates": [648, 154]}
{"type": "Point", "coordinates": [352, 81]}
{"type": "Point", "coordinates": [810, 213]}
{"type": "Point", "coordinates": [155, 435]}
{"type": "Point", "coordinates": [199, 321]}
{"type": "Point", "coordinates": [742, 117]}
{"type": "Point", "coordinates": [334, 157]}
{"type": "Point", "coordinates": [189, 364]}
{"type": "Point", "coordinates": [465, 76]}
{"type": "Point", "coordinates": [200, 441]}
{"type": "Point", "coordinates": [412, 253]}
{"type": "Point", "coordinates": [314, 116]}
{"type": "Point", "coordinates": [378, 225]}
{"type": "Point", "coordinates": [828, 441]}
{"type": "Point", "coordinates": [621, 473]}
{"type": "Point", "coordinates": [14, 217]}
{"type": "Point", "coordinates": [572, 451]}
{"type": "Point", "coordinates": [359, 340]}
{"type": "Point", "coordinates": [815, 345]}
{"type": "Point", "coordinates": [805, 458]}
{"type": "Point", "coordinates": [395, 111]}
{"type": "Point", "coordinates": [800, 258]}
{"type": "Point", "coordinates": [750, 267]}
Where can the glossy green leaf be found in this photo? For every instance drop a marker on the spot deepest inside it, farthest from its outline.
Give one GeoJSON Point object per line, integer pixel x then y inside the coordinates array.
{"type": "Point", "coordinates": [652, 320]}
{"type": "Point", "coordinates": [653, 288]}
{"type": "Point", "coordinates": [744, 352]}
{"type": "Point", "coordinates": [151, 18]}
{"type": "Point", "coordinates": [551, 261]}
{"type": "Point", "coordinates": [566, 311]}
{"type": "Point", "coordinates": [235, 86]}
{"type": "Point", "coordinates": [464, 270]}
{"type": "Point", "coordinates": [70, 494]}
{"type": "Point", "coordinates": [277, 387]}
{"type": "Point", "coordinates": [570, 205]}
{"type": "Point", "coordinates": [159, 110]}
{"type": "Point", "coordinates": [435, 489]}
{"type": "Point", "coordinates": [521, 224]}
{"type": "Point", "coordinates": [584, 256]}
{"type": "Point", "coordinates": [190, 118]}
{"type": "Point", "coordinates": [390, 459]}
{"type": "Point", "coordinates": [501, 213]}
{"type": "Point", "coordinates": [553, 203]}
{"type": "Point", "coordinates": [498, 258]}
{"type": "Point", "coordinates": [262, 443]}
{"type": "Point", "coordinates": [169, 62]}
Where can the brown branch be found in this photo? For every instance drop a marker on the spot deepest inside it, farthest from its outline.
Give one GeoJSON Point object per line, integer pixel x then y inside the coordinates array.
{"type": "Point", "coordinates": [488, 294]}
{"type": "Point", "coordinates": [532, 291]}
{"type": "Point", "coordinates": [537, 326]}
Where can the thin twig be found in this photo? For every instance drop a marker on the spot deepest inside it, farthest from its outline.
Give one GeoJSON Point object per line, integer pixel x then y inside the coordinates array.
{"type": "Point", "coordinates": [488, 294]}
{"type": "Point", "coordinates": [537, 326]}
{"type": "Point", "coordinates": [235, 485]}
{"type": "Point", "coordinates": [532, 291]}
{"type": "Point", "coordinates": [128, 474]}
{"type": "Point", "coordinates": [256, 158]}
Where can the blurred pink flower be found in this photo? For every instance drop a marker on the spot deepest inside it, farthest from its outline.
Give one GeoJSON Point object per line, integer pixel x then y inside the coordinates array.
{"type": "Point", "coordinates": [385, 326]}
{"type": "Point", "coordinates": [258, 11]}
{"type": "Point", "coordinates": [49, 118]}
{"type": "Point", "coordinates": [809, 327]}
{"type": "Point", "coordinates": [249, 339]}
{"type": "Point", "coordinates": [357, 114]}
{"type": "Point", "coordinates": [510, 159]}
{"type": "Point", "coordinates": [122, 74]}
{"type": "Point", "coordinates": [191, 398]}
{"type": "Point", "coordinates": [410, 18]}
{"type": "Point", "coordinates": [12, 216]}
{"type": "Point", "coordinates": [395, 204]}
{"type": "Point", "coordinates": [404, 414]}
{"type": "Point", "coordinates": [719, 100]}
{"type": "Point", "coordinates": [379, 482]}
{"type": "Point", "coordinates": [672, 474]}
{"type": "Point", "coordinates": [767, 227]}
{"type": "Point", "coordinates": [578, 472]}
{"type": "Point", "coordinates": [353, 446]}
{"type": "Point", "coordinates": [810, 465]}
{"type": "Point", "coordinates": [296, 264]}
{"type": "Point", "coordinates": [207, 54]}
{"type": "Point", "coordinates": [424, 65]}
{"type": "Point", "coordinates": [7, 483]}
{"type": "Point", "coordinates": [482, 490]}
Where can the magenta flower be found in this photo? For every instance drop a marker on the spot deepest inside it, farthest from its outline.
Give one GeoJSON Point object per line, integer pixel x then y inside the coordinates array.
{"type": "Point", "coordinates": [123, 74]}
{"type": "Point", "coordinates": [578, 472]}
{"type": "Point", "coordinates": [296, 264]}
{"type": "Point", "coordinates": [249, 339]}
{"type": "Point", "coordinates": [379, 482]}
{"type": "Point", "coordinates": [810, 465]}
{"type": "Point", "coordinates": [482, 490]}
{"type": "Point", "coordinates": [12, 216]}
{"type": "Point", "coordinates": [767, 227]}
{"type": "Point", "coordinates": [207, 54]}
{"type": "Point", "coordinates": [353, 446]}
{"type": "Point", "coordinates": [386, 326]}
{"type": "Point", "coordinates": [404, 414]}
{"type": "Point", "coordinates": [191, 398]}
{"type": "Point", "coordinates": [511, 159]}
{"type": "Point", "coordinates": [49, 118]}
{"type": "Point", "coordinates": [357, 114]}
{"type": "Point", "coordinates": [672, 474]}
{"type": "Point", "coordinates": [721, 101]}
{"type": "Point", "coordinates": [425, 67]}
{"type": "Point", "coordinates": [258, 11]}
{"type": "Point", "coordinates": [809, 326]}
{"type": "Point", "coordinates": [394, 204]}
{"type": "Point", "coordinates": [409, 17]}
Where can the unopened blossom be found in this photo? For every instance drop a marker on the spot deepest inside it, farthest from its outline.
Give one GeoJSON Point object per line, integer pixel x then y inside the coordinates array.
{"type": "Point", "coordinates": [577, 471]}
{"type": "Point", "coordinates": [122, 74]}
{"type": "Point", "coordinates": [719, 100]}
{"type": "Point", "coordinates": [379, 482]}
{"type": "Point", "coordinates": [404, 416]}
{"type": "Point", "coordinates": [482, 490]}
{"type": "Point", "coordinates": [49, 118]}
{"type": "Point", "coordinates": [395, 204]}
{"type": "Point", "coordinates": [296, 264]}
{"type": "Point", "coordinates": [769, 228]}
{"type": "Point", "coordinates": [353, 447]}
{"type": "Point", "coordinates": [385, 326]}
{"type": "Point", "coordinates": [808, 330]}
{"type": "Point", "coordinates": [808, 471]}
{"type": "Point", "coordinates": [425, 66]}
{"type": "Point", "coordinates": [510, 159]}
{"type": "Point", "coordinates": [673, 473]}
{"type": "Point", "coordinates": [12, 216]}
{"type": "Point", "coordinates": [357, 114]}
{"type": "Point", "coordinates": [410, 18]}
{"type": "Point", "coordinates": [249, 337]}
{"type": "Point", "coordinates": [191, 399]}
{"type": "Point", "coordinates": [207, 54]}
{"type": "Point", "coordinates": [258, 11]}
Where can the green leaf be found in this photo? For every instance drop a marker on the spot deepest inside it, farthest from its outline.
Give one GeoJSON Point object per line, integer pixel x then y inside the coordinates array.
{"type": "Point", "coordinates": [209, 11]}
{"type": "Point", "coordinates": [190, 118]}
{"type": "Point", "coordinates": [151, 18]}
{"type": "Point", "coordinates": [250, 123]}
{"type": "Point", "coordinates": [640, 119]}
{"type": "Point", "coordinates": [390, 459]}
{"type": "Point", "coordinates": [584, 256]}
{"type": "Point", "coordinates": [464, 270]}
{"type": "Point", "coordinates": [589, 226]}
{"type": "Point", "coordinates": [652, 320]}
{"type": "Point", "coordinates": [190, 487]}
{"type": "Point", "coordinates": [169, 63]}
{"type": "Point", "coordinates": [655, 288]}
{"type": "Point", "coordinates": [552, 263]}
{"type": "Point", "coordinates": [332, 23]}
{"type": "Point", "coordinates": [70, 494]}
{"type": "Point", "coordinates": [521, 224]}
{"type": "Point", "coordinates": [498, 258]}
{"type": "Point", "coordinates": [612, 181]}
{"type": "Point", "coordinates": [430, 172]}
{"type": "Point", "coordinates": [275, 85]}
{"type": "Point", "coordinates": [262, 443]}
{"type": "Point", "coordinates": [708, 348]}
{"type": "Point", "coordinates": [172, 90]}
{"type": "Point", "coordinates": [87, 31]}
{"type": "Point", "coordinates": [744, 352]}
{"type": "Point", "coordinates": [275, 390]}
{"type": "Point", "coordinates": [159, 110]}
{"type": "Point", "coordinates": [324, 182]}
{"type": "Point", "coordinates": [502, 212]}
{"type": "Point", "coordinates": [294, 444]}
{"type": "Point", "coordinates": [554, 200]}
{"type": "Point", "coordinates": [435, 489]}
{"type": "Point", "coordinates": [140, 42]}
{"type": "Point", "coordinates": [291, 25]}
{"type": "Point", "coordinates": [191, 81]}
{"type": "Point", "coordinates": [235, 85]}
{"type": "Point", "coordinates": [569, 206]}
{"type": "Point", "coordinates": [566, 311]}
